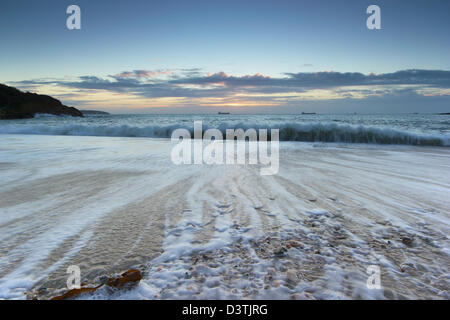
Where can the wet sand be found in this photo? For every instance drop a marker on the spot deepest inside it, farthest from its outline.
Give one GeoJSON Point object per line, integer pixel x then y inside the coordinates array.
{"type": "Point", "coordinates": [199, 231]}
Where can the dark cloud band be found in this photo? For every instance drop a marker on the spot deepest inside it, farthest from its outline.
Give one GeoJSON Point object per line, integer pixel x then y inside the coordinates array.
{"type": "Point", "coordinates": [191, 83]}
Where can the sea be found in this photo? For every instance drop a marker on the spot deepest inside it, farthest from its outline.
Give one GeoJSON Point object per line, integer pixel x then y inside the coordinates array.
{"type": "Point", "coordinates": [405, 129]}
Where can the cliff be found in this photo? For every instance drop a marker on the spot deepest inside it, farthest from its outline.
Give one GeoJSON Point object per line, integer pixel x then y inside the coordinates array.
{"type": "Point", "coordinates": [94, 112]}
{"type": "Point", "coordinates": [15, 104]}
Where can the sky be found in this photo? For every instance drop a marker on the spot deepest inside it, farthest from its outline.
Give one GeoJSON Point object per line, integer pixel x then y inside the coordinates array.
{"type": "Point", "coordinates": [244, 56]}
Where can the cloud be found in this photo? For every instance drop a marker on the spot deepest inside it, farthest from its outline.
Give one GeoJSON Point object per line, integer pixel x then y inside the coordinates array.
{"type": "Point", "coordinates": [307, 80]}
{"type": "Point", "coordinates": [438, 78]}
{"type": "Point", "coordinates": [195, 84]}
{"type": "Point", "coordinates": [143, 73]}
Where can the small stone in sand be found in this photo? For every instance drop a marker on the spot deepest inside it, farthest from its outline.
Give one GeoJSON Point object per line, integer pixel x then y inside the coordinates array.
{"type": "Point", "coordinates": [280, 252]}
{"type": "Point", "coordinates": [291, 275]}
{"type": "Point", "coordinates": [129, 277]}
{"type": "Point", "coordinates": [294, 243]}
{"type": "Point", "coordinates": [407, 241]}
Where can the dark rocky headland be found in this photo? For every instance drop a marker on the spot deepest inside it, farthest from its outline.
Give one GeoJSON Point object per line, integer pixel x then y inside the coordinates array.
{"type": "Point", "coordinates": [94, 112]}
{"type": "Point", "coordinates": [15, 104]}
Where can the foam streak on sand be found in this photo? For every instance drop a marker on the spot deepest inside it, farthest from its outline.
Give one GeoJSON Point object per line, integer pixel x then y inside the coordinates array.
{"type": "Point", "coordinates": [198, 231]}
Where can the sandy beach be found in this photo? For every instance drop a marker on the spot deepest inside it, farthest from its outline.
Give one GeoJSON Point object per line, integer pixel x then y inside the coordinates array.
{"type": "Point", "coordinates": [110, 204]}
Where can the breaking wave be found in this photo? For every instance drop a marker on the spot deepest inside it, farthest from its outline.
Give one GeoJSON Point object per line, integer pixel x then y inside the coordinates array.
{"type": "Point", "coordinates": [311, 132]}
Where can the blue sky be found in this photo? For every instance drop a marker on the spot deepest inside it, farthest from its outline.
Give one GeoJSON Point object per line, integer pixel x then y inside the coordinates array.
{"type": "Point", "coordinates": [148, 56]}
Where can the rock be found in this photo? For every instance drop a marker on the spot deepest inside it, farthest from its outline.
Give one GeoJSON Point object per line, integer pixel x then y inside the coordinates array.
{"type": "Point", "coordinates": [280, 252]}
{"type": "Point", "coordinates": [291, 276]}
{"type": "Point", "coordinates": [103, 279]}
{"type": "Point", "coordinates": [294, 244]}
{"type": "Point", "coordinates": [131, 276]}
{"type": "Point", "coordinates": [271, 271]}
{"type": "Point", "coordinates": [409, 268]}
{"type": "Point", "coordinates": [407, 241]}
{"type": "Point", "coordinates": [94, 112]}
{"type": "Point", "coordinates": [71, 294]}
{"type": "Point", "coordinates": [15, 104]}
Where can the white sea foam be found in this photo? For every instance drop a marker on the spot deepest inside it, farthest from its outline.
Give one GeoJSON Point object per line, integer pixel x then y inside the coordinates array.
{"type": "Point", "coordinates": [307, 132]}
{"type": "Point", "coordinates": [217, 231]}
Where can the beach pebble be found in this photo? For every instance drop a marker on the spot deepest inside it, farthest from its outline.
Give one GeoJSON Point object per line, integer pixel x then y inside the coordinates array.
{"type": "Point", "coordinates": [271, 271]}
{"type": "Point", "coordinates": [294, 244]}
{"type": "Point", "coordinates": [407, 241]}
{"type": "Point", "coordinates": [291, 275]}
{"type": "Point", "coordinates": [280, 252]}
{"type": "Point", "coordinates": [128, 277]}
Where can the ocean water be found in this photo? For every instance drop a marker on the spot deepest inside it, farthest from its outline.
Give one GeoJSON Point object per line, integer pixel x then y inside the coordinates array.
{"type": "Point", "coordinates": [408, 129]}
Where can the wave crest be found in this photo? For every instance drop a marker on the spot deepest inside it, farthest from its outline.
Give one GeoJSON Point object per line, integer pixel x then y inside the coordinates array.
{"type": "Point", "coordinates": [311, 132]}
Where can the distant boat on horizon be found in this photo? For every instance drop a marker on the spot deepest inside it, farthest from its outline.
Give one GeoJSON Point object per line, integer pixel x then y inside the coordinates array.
{"type": "Point", "coordinates": [308, 113]}
{"type": "Point", "coordinates": [223, 112]}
